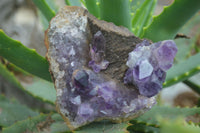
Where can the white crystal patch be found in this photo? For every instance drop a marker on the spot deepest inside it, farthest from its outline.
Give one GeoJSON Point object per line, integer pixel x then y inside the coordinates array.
{"type": "Point", "coordinates": [145, 69]}
{"type": "Point", "coordinates": [76, 100]}
{"type": "Point", "coordinates": [133, 57]}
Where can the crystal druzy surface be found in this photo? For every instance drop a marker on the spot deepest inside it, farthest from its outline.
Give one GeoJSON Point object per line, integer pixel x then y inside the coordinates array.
{"type": "Point", "coordinates": [148, 65]}
{"type": "Point", "coordinates": [77, 61]}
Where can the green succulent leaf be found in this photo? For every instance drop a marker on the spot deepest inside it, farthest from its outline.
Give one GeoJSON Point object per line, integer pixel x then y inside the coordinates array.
{"type": "Point", "coordinates": [55, 124]}
{"type": "Point", "coordinates": [12, 111]}
{"type": "Point", "coordinates": [187, 46]}
{"type": "Point", "coordinates": [195, 79]}
{"type": "Point", "coordinates": [183, 70]}
{"type": "Point", "coordinates": [135, 4]}
{"type": "Point", "coordinates": [194, 83]}
{"type": "Point", "coordinates": [43, 20]}
{"type": "Point", "coordinates": [31, 124]}
{"type": "Point", "coordinates": [116, 11]}
{"type": "Point", "coordinates": [73, 2]}
{"type": "Point", "coordinates": [93, 7]}
{"type": "Point", "coordinates": [169, 22]}
{"type": "Point", "coordinates": [42, 89]}
{"type": "Point", "coordinates": [37, 88]}
{"type": "Point", "coordinates": [47, 11]}
{"type": "Point", "coordinates": [67, 2]}
{"type": "Point", "coordinates": [97, 127]}
{"type": "Point", "coordinates": [59, 126]}
{"type": "Point", "coordinates": [43, 123]}
{"type": "Point", "coordinates": [195, 87]}
{"type": "Point", "coordinates": [143, 128]}
{"type": "Point", "coordinates": [23, 57]}
{"type": "Point", "coordinates": [151, 117]}
{"type": "Point", "coordinates": [9, 76]}
{"type": "Point", "coordinates": [143, 17]}
{"type": "Point", "coordinates": [52, 5]}
{"type": "Point", "coordinates": [103, 126]}
{"type": "Point", "coordinates": [178, 126]}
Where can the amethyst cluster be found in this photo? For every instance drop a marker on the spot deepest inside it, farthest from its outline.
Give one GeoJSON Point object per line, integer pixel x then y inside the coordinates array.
{"type": "Point", "coordinates": [148, 65]}
{"type": "Point", "coordinates": [77, 57]}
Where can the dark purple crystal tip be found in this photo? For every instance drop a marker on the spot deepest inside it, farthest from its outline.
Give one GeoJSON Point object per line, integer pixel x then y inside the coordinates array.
{"type": "Point", "coordinates": [81, 79]}
{"type": "Point", "coordinates": [97, 53]}
{"type": "Point", "coordinates": [148, 65]}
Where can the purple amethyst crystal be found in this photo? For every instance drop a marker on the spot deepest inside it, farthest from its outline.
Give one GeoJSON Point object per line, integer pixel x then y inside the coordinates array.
{"type": "Point", "coordinates": [85, 111]}
{"type": "Point", "coordinates": [148, 65]}
{"type": "Point", "coordinates": [97, 52]}
{"type": "Point", "coordinates": [84, 94]}
{"type": "Point", "coordinates": [81, 79]}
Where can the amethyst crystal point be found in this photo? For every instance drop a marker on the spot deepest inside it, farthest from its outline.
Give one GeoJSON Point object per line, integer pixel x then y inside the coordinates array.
{"type": "Point", "coordinates": [83, 95]}
{"type": "Point", "coordinates": [97, 52]}
{"type": "Point", "coordinates": [165, 54]}
{"type": "Point", "coordinates": [81, 79]}
{"type": "Point", "coordinates": [85, 111]}
{"type": "Point", "coordinates": [148, 65]}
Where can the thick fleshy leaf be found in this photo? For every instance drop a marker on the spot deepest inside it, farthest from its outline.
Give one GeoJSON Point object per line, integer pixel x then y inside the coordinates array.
{"type": "Point", "coordinates": [98, 127]}
{"type": "Point", "coordinates": [9, 76]}
{"type": "Point", "coordinates": [169, 22]}
{"type": "Point", "coordinates": [119, 14]}
{"type": "Point", "coordinates": [43, 123]}
{"type": "Point", "coordinates": [37, 88]}
{"type": "Point", "coordinates": [194, 83]}
{"type": "Point", "coordinates": [42, 14]}
{"type": "Point", "coordinates": [23, 57]}
{"type": "Point", "coordinates": [194, 86]}
{"type": "Point", "coordinates": [11, 112]}
{"type": "Point", "coordinates": [142, 127]}
{"type": "Point", "coordinates": [183, 70]}
{"type": "Point", "coordinates": [103, 126]}
{"type": "Point", "coordinates": [52, 5]}
{"type": "Point", "coordinates": [135, 4]}
{"type": "Point", "coordinates": [42, 89]}
{"type": "Point", "coordinates": [43, 20]}
{"type": "Point", "coordinates": [178, 126]}
{"type": "Point", "coordinates": [93, 7]}
{"type": "Point", "coordinates": [45, 8]}
{"type": "Point", "coordinates": [187, 46]}
{"type": "Point", "coordinates": [33, 124]}
{"type": "Point", "coordinates": [73, 2]}
{"type": "Point", "coordinates": [151, 117]}
{"type": "Point", "coordinates": [143, 16]}
{"type": "Point", "coordinates": [59, 126]}
{"type": "Point", "coordinates": [195, 79]}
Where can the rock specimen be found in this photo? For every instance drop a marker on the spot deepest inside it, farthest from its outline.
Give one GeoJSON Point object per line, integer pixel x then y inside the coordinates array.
{"type": "Point", "coordinates": [88, 63]}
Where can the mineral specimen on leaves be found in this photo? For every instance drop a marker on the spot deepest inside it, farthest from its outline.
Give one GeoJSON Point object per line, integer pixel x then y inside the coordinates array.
{"type": "Point", "coordinates": [148, 65]}
{"type": "Point", "coordinates": [88, 63]}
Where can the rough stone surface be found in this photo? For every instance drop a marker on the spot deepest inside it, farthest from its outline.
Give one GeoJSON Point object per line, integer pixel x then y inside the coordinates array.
{"type": "Point", "coordinates": [83, 94]}
{"type": "Point", "coordinates": [148, 65]}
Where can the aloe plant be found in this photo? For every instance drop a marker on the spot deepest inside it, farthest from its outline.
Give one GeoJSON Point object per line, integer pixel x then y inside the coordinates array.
{"type": "Point", "coordinates": [135, 15]}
